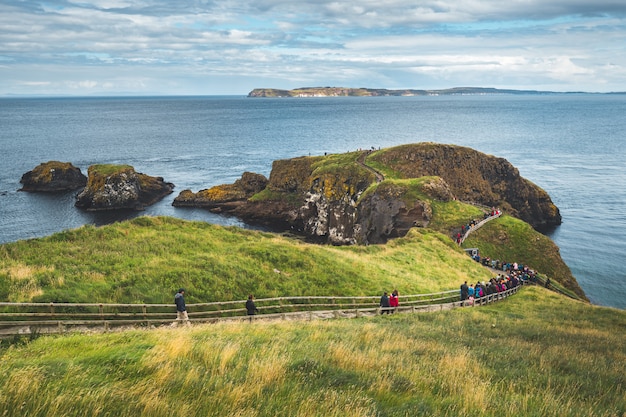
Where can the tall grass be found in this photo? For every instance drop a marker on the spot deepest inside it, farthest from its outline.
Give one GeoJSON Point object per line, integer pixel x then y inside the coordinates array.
{"type": "Point", "coordinates": [534, 354]}
{"type": "Point", "coordinates": [147, 259]}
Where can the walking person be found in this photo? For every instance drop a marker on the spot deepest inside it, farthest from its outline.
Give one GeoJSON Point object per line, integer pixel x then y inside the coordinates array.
{"type": "Point", "coordinates": [394, 301]}
{"type": "Point", "coordinates": [181, 308]}
{"type": "Point", "coordinates": [251, 307]}
{"type": "Point", "coordinates": [464, 292]}
{"type": "Point", "coordinates": [384, 303]}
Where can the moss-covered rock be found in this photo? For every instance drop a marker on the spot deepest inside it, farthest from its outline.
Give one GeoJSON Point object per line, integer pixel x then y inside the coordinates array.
{"type": "Point", "coordinates": [111, 187]}
{"type": "Point", "coordinates": [53, 176]}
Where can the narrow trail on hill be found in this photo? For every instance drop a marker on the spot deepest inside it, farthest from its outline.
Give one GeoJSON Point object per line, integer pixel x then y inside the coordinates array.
{"type": "Point", "coordinates": [478, 226]}
{"type": "Point", "coordinates": [361, 161]}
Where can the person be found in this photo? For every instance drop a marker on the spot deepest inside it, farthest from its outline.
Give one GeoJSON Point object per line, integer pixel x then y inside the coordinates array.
{"type": "Point", "coordinates": [548, 283]}
{"type": "Point", "coordinates": [464, 291]}
{"type": "Point", "coordinates": [470, 294]}
{"type": "Point", "coordinates": [384, 303]}
{"type": "Point", "coordinates": [181, 308]}
{"type": "Point", "coordinates": [250, 307]}
{"type": "Point", "coordinates": [394, 301]}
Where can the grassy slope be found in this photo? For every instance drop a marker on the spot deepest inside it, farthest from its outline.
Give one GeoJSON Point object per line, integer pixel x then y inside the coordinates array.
{"type": "Point", "coordinates": [148, 259]}
{"type": "Point", "coordinates": [512, 240]}
{"type": "Point", "coordinates": [534, 354]}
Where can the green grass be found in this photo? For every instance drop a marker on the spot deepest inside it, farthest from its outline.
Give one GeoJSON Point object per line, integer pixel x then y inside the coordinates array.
{"type": "Point", "coordinates": [512, 240]}
{"type": "Point", "coordinates": [108, 169]}
{"type": "Point", "coordinates": [534, 354]}
{"type": "Point", "coordinates": [147, 259]}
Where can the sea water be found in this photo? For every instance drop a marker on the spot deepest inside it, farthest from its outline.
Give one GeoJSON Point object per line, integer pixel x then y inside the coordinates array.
{"type": "Point", "coordinates": [573, 146]}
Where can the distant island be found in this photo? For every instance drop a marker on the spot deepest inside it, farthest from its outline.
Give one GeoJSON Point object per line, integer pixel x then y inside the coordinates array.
{"type": "Point", "coordinates": [382, 92]}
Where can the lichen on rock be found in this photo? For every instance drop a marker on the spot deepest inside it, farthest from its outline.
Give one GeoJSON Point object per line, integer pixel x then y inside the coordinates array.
{"type": "Point", "coordinates": [244, 188]}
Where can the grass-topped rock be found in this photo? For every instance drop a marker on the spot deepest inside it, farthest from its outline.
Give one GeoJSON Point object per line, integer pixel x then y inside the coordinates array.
{"type": "Point", "coordinates": [53, 176]}
{"type": "Point", "coordinates": [370, 197]}
{"type": "Point", "coordinates": [111, 187]}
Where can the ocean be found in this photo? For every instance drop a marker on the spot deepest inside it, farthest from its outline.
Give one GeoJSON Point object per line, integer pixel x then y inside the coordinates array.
{"type": "Point", "coordinates": [571, 145]}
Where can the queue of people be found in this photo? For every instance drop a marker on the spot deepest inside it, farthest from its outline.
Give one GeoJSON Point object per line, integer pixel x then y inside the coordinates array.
{"type": "Point", "coordinates": [471, 224]}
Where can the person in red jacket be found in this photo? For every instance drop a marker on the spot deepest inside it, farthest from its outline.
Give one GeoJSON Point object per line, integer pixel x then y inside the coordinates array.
{"type": "Point", "coordinates": [393, 300]}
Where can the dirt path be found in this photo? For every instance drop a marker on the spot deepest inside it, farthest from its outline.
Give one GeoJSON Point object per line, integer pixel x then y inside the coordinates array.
{"type": "Point", "coordinates": [361, 161]}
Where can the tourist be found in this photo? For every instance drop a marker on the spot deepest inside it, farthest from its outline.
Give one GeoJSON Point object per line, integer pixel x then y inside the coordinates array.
{"type": "Point", "coordinates": [394, 301]}
{"type": "Point", "coordinates": [384, 303]}
{"type": "Point", "coordinates": [181, 308]}
{"type": "Point", "coordinates": [250, 306]}
{"type": "Point", "coordinates": [464, 291]}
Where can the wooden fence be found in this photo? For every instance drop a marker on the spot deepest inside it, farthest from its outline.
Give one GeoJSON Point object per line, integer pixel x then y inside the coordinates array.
{"type": "Point", "coordinates": [51, 318]}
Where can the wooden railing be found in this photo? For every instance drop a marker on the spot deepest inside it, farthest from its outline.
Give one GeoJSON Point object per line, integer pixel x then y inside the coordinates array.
{"type": "Point", "coordinates": [50, 318]}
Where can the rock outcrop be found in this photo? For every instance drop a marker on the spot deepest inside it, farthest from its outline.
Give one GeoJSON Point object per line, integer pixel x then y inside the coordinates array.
{"type": "Point", "coordinates": [475, 177]}
{"type": "Point", "coordinates": [337, 199]}
{"type": "Point", "coordinates": [216, 197]}
{"type": "Point", "coordinates": [112, 187]}
{"type": "Point", "coordinates": [387, 211]}
{"type": "Point", "coordinates": [53, 176]}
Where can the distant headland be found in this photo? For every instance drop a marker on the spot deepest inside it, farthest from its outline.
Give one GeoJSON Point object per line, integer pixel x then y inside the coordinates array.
{"type": "Point", "coordinates": [382, 92]}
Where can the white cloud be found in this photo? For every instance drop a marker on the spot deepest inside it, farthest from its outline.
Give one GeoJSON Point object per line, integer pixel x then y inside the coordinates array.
{"type": "Point", "coordinates": [146, 45]}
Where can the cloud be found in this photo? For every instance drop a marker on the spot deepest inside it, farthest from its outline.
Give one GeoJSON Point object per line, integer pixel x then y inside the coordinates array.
{"type": "Point", "coordinates": [154, 45]}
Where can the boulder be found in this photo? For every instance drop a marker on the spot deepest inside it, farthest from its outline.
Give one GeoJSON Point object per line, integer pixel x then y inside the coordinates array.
{"type": "Point", "coordinates": [53, 176]}
{"type": "Point", "coordinates": [112, 187]}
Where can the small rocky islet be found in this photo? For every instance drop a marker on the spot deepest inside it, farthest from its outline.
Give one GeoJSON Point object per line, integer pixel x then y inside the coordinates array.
{"type": "Point", "coordinates": [112, 187]}
{"type": "Point", "coordinates": [106, 187]}
{"type": "Point", "coordinates": [53, 176]}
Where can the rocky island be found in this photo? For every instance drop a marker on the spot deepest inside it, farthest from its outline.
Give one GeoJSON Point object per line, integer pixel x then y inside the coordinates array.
{"type": "Point", "coordinates": [382, 92]}
{"type": "Point", "coordinates": [368, 197]}
{"type": "Point", "coordinates": [53, 176]}
{"type": "Point", "coordinates": [111, 187]}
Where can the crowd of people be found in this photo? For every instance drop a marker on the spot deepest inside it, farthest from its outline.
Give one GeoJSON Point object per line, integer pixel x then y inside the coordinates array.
{"type": "Point", "coordinates": [513, 274]}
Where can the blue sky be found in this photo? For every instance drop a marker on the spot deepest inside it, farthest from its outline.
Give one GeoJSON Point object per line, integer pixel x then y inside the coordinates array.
{"type": "Point", "coordinates": [215, 47]}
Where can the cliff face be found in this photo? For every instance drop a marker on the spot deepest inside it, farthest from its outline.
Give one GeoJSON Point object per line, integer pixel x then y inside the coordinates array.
{"type": "Point", "coordinates": [111, 187]}
{"type": "Point", "coordinates": [387, 211]}
{"type": "Point", "coordinates": [475, 177]}
{"type": "Point", "coordinates": [53, 176]}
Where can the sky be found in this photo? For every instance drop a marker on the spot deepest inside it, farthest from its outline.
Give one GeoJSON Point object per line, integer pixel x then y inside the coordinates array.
{"type": "Point", "coordinates": [229, 47]}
